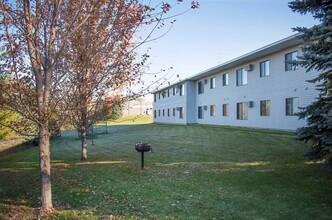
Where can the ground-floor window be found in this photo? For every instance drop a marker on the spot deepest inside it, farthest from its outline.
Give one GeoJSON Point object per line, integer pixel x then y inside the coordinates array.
{"type": "Point", "coordinates": [163, 112]}
{"type": "Point", "coordinates": [181, 110]}
{"type": "Point", "coordinates": [225, 110]}
{"type": "Point", "coordinates": [159, 112]}
{"type": "Point", "coordinates": [173, 112]}
{"type": "Point", "coordinates": [212, 110]}
{"type": "Point", "coordinates": [200, 112]}
{"type": "Point", "coordinates": [168, 112]}
{"type": "Point", "coordinates": [265, 107]}
{"type": "Point", "coordinates": [292, 106]}
{"type": "Point", "coordinates": [241, 111]}
{"type": "Point", "coordinates": [155, 114]}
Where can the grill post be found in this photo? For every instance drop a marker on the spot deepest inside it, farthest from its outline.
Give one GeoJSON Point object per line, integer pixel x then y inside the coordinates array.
{"type": "Point", "coordinates": [142, 160]}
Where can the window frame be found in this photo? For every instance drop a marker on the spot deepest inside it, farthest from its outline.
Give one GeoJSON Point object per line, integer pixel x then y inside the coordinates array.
{"type": "Point", "coordinates": [225, 79]}
{"type": "Point", "coordinates": [200, 87]}
{"type": "Point", "coordinates": [181, 112]}
{"type": "Point", "coordinates": [241, 111]}
{"type": "Point", "coordinates": [240, 79]}
{"type": "Point", "coordinates": [265, 108]}
{"type": "Point", "coordinates": [263, 67]}
{"type": "Point", "coordinates": [213, 83]}
{"type": "Point", "coordinates": [213, 110]}
{"type": "Point", "coordinates": [290, 66]}
{"type": "Point", "coordinates": [225, 109]}
{"type": "Point", "coordinates": [181, 90]}
{"type": "Point", "coordinates": [200, 112]}
{"type": "Point", "coordinates": [293, 109]}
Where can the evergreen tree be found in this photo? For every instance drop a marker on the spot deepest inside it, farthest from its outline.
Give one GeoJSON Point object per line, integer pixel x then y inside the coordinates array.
{"type": "Point", "coordinates": [317, 55]}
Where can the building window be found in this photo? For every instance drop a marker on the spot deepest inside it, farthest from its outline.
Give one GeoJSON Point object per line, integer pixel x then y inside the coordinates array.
{"type": "Point", "coordinates": [241, 77]}
{"type": "Point", "coordinates": [155, 97]}
{"type": "Point", "coordinates": [289, 58]}
{"type": "Point", "coordinates": [212, 110]}
{"type": "Point", "coordinates": [159, 95]}
{"type": "Point", "coordinates": [292, 106]}
{"type": "Point", "coordinates": [200, 112]}
{"type": "Point", "coordinates": [225, 110]}
{"type": "Point", "coordinates": [264, 68]}
{"type": "Point", "coordinates": [200, 87]}
{"type": "Point", "coordinates": [181, 90]}
{"type": "Point", "coordinates": [174, 91]}
{"type": "Point", "coordinates": [173, 112]}
{"type": "Point", "coordinates": [212, 83]}
{"type": "Point", "coordinates": [225, 79]}
{"type": "Point", "coordinates": [265, 108]}
{"type": "Point", "coordinates": [181, 112]}
{"type": "Point", "coordinates": [167, 92]}
{"type": "Point", "coordinates": [163, 112]}
{"type": "Point", "coordinates": [159, 112]}
{"type": "Point", "coordinates": [241, 111]}
{"type": "Point", "coordinates": [168, 114]}
{"type": "Point", "coordinates": [155, 114]}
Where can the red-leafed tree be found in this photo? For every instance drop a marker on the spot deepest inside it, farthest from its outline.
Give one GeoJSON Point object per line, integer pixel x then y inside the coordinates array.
{"type": "Point", "coordinates": [102, 60]}
{"type": "Point", "coordinates": [54, 50]}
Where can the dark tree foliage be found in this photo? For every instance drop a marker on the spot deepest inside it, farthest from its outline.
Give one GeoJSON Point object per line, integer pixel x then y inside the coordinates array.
{"type": "Point", "coordinates": [317, 55]}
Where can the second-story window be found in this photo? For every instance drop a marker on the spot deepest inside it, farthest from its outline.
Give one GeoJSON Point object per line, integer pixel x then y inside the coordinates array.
{"type": "Point", "coordinates": [174, 91]}
{"type": "Point", "coordinates": [264, 68]}
{"type": "Point", "coordinates": [181, 90]}
{"type": "Point", "coordinates": [225, 79]}
{"type": "Point", "coordinates": [241, 77]}
{"type": "Point", "coordinates": [200, 87]}
{"type": "Point", "coordinates": [290, 57]}
{"type": "Point", "coordinates": [212, 83]}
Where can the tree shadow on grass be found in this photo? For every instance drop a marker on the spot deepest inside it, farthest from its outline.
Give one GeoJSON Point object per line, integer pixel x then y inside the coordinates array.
{"type": "Point", "coordinates": [18, 147]}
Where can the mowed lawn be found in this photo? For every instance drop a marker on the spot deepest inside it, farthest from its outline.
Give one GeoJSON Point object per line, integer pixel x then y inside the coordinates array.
{"type": "Point", "coordinates": [194, 172]}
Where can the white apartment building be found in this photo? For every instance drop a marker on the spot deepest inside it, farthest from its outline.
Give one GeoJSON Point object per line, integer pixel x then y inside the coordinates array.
{"type": "Point", "coordinates": [260, 89]}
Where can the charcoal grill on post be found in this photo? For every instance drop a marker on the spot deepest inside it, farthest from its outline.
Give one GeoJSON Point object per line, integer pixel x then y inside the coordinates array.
{"type": "Point", "coordinates": [143, 147]}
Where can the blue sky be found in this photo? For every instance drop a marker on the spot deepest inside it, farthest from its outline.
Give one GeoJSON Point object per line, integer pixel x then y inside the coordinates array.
{"type": "Point", "coordinates": [221, 30]}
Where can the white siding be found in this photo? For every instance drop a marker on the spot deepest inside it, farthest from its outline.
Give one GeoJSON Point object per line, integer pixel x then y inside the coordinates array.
{"type": "Point", "coordinates": [173, 101]}
{"type": "Point", "coordinates": [276, 87]}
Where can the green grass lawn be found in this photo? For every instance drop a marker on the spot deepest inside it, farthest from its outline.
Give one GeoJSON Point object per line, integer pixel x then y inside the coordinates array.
{"type": "Point", "coordinates": [194, 172]}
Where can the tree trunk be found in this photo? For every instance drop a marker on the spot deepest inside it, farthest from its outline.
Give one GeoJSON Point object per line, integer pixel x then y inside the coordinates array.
{"type": "Point", "coordinates": [84, 156]}
{"type": "Point", "coordinates": [45, 168]}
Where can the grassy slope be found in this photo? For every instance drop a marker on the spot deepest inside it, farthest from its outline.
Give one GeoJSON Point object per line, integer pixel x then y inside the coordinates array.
{"type": "Point", "coordinates": [195, 172]}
